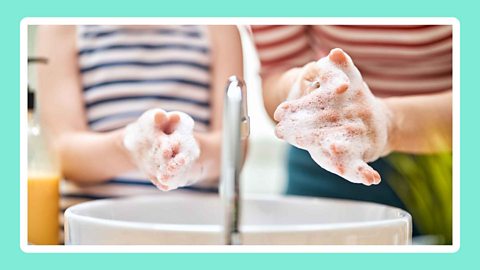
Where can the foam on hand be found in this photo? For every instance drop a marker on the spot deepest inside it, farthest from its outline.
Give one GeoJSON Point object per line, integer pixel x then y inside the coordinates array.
{"type": "Point", "coordinates": [167, 159]}
{"type": "Point", "coordinates": [333, 115]}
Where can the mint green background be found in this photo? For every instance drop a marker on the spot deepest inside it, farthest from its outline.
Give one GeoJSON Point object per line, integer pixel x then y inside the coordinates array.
{"type": "Point", "coordinates": [11, 14]}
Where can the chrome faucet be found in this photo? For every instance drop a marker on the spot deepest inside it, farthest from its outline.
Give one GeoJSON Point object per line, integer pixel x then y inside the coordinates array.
{"type": "Point", "coordinates": [236, 129]}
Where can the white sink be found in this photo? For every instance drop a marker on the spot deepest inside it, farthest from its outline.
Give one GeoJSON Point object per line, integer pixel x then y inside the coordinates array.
{"type": "Point", "coordinates": [196, 219]}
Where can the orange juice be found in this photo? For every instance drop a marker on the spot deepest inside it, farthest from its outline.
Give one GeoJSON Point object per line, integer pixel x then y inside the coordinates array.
{"type": "Point", "coordinates": [43, 208]}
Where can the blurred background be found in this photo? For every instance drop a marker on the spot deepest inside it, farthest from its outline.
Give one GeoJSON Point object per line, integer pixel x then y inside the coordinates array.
{"type": "Point", "coordinates": [266, 153]}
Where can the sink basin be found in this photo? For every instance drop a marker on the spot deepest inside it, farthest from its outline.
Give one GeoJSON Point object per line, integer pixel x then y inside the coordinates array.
{"type": "Point", "coordinates": [273, 220]}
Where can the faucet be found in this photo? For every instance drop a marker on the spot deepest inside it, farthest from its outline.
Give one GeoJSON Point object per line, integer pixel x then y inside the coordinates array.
{"type": "Point", "coordinates": [236, 129]}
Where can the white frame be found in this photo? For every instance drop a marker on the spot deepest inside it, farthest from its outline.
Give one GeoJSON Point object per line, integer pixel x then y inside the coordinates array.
{"type": "Point", "coordinates": [241, 249]}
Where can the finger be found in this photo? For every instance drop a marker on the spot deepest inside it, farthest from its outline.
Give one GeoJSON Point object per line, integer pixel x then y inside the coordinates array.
{"type": "Point", "coordinates": [281, 111]}
{"type": "Point", "coordinates": [171, 150]}
{"type": "Point", "coordinates": [343, 61]}
{"type": "Point", "coordinates": [338, 150]}
{"type": "Point", "coordinates": [160, 120]}
{"type": "Point", "coordinates": [289, 122]}
{"type": "Point", "coordinates": [310, 79]}
{"type": "Point", "coordinates": [342, 88]}
{"type": "Point", "coordinates": [172, 123]}
{"type": "Point", "coordinates": [339, 58]}
{"type": "Point", "coordinates": [306, 81]}
{"type": "Point", "coordinates": [279, 132]}
{"type": "Point", "coordinates": [310, 102]}
{"type": "Point", "coordinates": [304, 139]}
{"type": "Point", "coordinates": [164, 178]}
{"type": "Point", "coordinates": [167, 152]}
{"type": "Point", "coordinates": [335, 80]}
{"type": "Point", "coordinates": [152, 178]}
{"type": "Point", "coordinates": [337, 153]}
{"type": "Point", "coordinates": [176, 164]}
{"type": "Point", "coordinates": [311, 71]}
{"type": "Point", "coordinates": [175, 148]}
{"type": "Point", "coordinates": [162, 187]}
{"type": "Point", "coordinates": [172, 168]}
{"type": "Point", "coordinates": [368, 174]}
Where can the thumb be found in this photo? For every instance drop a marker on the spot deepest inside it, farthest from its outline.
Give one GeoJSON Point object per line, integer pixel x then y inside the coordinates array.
{"type": "Point", "coordinates": [368, 175]}
{"type": "Point", "coordinates": [172, 123]}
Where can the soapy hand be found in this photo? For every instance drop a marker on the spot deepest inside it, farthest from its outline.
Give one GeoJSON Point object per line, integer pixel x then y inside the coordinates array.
{"type": "Point", "coordinates": [164, 148]}
{"type": "Point", "coordinates": [332, 114]}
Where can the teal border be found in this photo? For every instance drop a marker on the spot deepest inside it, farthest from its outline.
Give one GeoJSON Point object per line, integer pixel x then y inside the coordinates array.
{"type": "Point", "coordinates": [11, 15]}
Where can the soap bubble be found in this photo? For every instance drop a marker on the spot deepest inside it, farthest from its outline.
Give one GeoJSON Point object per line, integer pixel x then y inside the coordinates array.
{"type": "Point", "coordinates": [166, 158]}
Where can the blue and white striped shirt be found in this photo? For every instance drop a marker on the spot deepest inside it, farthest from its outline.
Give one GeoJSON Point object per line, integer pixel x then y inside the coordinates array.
{"type": "Point", "coordinates": [126, 70]}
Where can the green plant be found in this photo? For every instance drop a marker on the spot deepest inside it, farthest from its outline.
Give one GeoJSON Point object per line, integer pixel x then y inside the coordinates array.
{"type": "Point", "coordinates": [424, 184]}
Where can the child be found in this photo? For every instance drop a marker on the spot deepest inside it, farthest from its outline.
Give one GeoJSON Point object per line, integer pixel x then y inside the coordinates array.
{"type": "Point", "coordinates": [100, 79]}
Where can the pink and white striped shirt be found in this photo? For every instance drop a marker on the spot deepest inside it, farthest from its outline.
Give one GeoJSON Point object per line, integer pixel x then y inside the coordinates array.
{"type": "Point", "coordinates": [394, 60]}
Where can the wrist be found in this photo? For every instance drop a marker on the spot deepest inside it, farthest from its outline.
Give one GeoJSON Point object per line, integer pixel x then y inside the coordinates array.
{"type": "Point", "coordinates": [119, 144]}
{"type": "Point", "coordinates": [289, 79]}
{"type": "Point", "coordinates": [209, 144]}
{"type": "Point", "coordinates": [210, 154]}
{"type": "Point", "coordinates": [393, 124]}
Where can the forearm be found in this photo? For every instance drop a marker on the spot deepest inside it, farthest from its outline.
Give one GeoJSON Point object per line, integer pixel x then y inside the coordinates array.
{"type": "Point", "coordinates": [421, 124]}
{"type": "Point", "coordinates": [276, 88]}
{"type": "Point", "coordinates": [210, 144]}
{"type": "Point", "coordinates": [210, 153]}
{"type": "Point", "coordinates": [93, 157]}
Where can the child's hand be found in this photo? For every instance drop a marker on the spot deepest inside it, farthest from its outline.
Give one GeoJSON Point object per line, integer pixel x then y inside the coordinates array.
{"type": "Point", "coordinates": [164, 148]}
{"type": "Point", "coordinates": [331, 113]}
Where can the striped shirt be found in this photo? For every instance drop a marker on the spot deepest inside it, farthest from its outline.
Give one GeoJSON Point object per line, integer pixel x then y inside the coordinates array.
{"type": "Point", "coordinates": [126, 70]}
{"type": "Point", "coordinates": [394, 60]}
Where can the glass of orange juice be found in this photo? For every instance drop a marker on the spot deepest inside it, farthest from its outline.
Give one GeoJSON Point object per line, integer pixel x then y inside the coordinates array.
{"type": "Point", "coordinates": [43, 190]}
{"type": "Point", "coordinates": [43, 208]}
